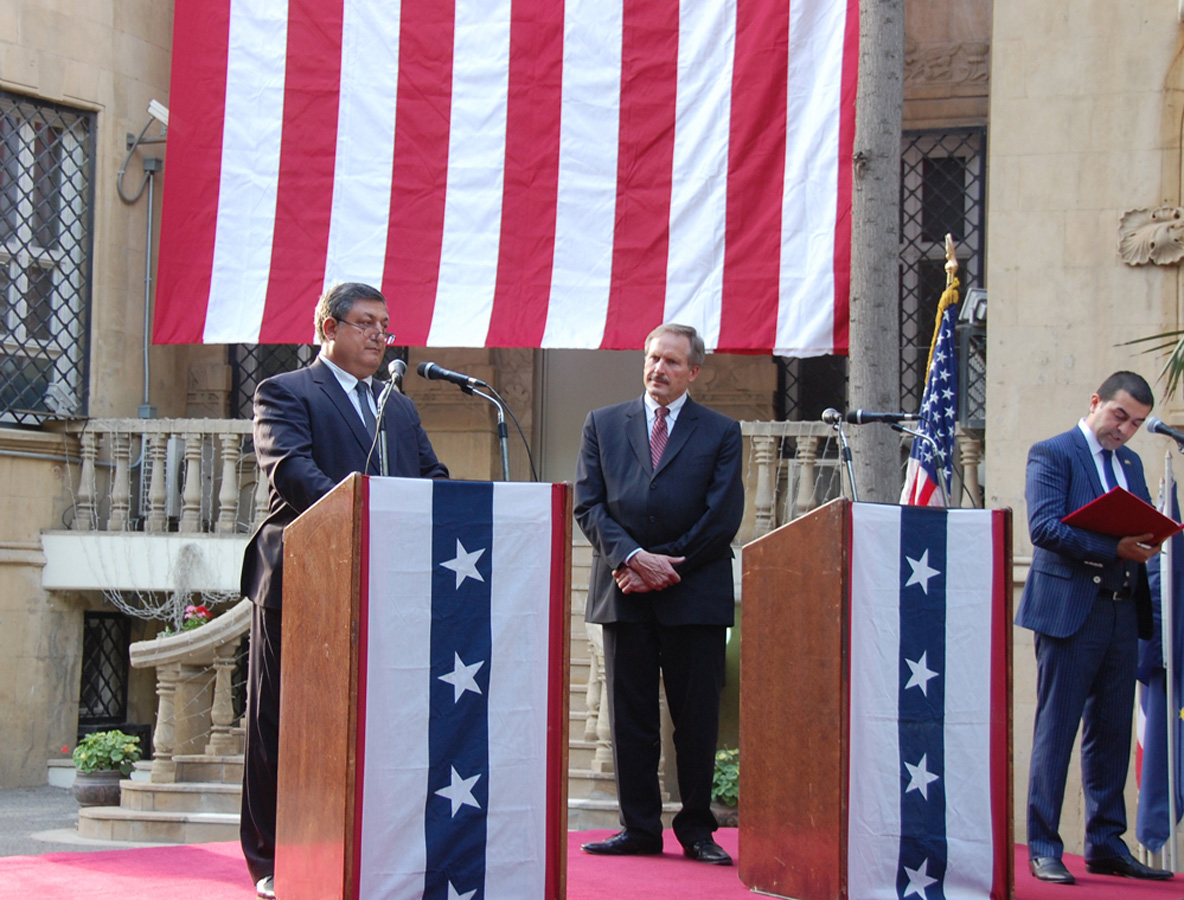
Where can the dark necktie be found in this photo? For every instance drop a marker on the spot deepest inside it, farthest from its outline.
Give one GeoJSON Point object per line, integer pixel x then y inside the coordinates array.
{"type": "Point", "coordinates": [1108, 469]}
{"type": "Point", "coordinates": [363, 390]}
{"type": "Point", "coordinates": [659, 435]}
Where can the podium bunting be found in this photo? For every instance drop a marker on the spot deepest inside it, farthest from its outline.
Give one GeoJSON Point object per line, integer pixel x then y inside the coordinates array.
{"type": "Point", "coordinates": [929, 747]}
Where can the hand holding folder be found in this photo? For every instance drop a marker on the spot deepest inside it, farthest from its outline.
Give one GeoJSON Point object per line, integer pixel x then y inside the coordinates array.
{"type": "Point", "coordinates": [1119, 513]}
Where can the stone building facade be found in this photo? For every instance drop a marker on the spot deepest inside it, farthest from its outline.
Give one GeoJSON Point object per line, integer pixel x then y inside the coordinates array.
{"type": "Point", "coordinates": [1080, 106]}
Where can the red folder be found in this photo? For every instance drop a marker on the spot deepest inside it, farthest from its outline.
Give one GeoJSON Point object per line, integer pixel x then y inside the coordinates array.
{"type": "Point", "coordinates": [1119, 513]}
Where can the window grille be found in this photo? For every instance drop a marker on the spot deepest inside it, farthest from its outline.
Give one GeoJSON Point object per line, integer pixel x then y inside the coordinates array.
{"type": "Point", "coordinates": [47, 163]}
{"type": "Point", "coordinates": [942, 190]}
{"type": "Point", "coordinates": [102, 699]}
{"type": "Point", "coordinates": [252, 363]}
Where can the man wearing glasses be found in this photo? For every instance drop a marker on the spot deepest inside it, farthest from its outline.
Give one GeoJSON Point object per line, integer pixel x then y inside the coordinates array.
{"type": "Point", "coordinates": [313, 427]}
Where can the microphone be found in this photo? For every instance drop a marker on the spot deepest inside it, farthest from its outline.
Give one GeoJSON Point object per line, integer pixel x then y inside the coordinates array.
{"type": "Point", "coordinates": [1156, 425]}
{"type": "Point", "coordinates": [433, 372]}
{"type": "Point", "coordinates": [831, 416]}
{"type": "Point", "coordinates": [397, 369]}
{"type": "Point", "coordinates": [866, 417]}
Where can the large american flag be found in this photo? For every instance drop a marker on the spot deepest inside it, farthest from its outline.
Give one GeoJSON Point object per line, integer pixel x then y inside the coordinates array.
{"type": "Point", "coordinates": [462, 729]}
{"type": "Point", "coordinates": [532, 173]}
{"type": "Point", "coordinates": [939, 414]}
{"type": "Point", "coordinates": [928, 803]}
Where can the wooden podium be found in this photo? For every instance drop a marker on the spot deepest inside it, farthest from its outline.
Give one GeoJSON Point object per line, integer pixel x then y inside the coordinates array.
{"type": "Point", "coordinates": [338, 558]}
{"type": "Point", "coordinates": [798, 709]}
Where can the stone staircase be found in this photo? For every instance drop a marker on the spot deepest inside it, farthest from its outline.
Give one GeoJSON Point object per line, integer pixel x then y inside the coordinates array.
{"type": "Point", "coordinates": [201, 806]}
{"type": "Point", "coordinates": [591, 788]}
{"type": "Point", "coordinates": [195, 797]}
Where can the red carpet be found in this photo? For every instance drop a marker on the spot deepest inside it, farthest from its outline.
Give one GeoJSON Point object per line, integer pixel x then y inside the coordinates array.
{"type": "Point", "coordinates": [216, 872]}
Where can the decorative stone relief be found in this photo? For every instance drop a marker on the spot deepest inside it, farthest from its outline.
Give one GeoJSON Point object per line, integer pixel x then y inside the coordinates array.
{"type": "Point", "coordinates": [947, 63]}
{"type": "Point", "coordinates": [1152, 236]}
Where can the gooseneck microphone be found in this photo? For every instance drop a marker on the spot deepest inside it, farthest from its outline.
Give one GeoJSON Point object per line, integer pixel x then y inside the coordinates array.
{"type": "Point", "coordinates": [831, 416]}
{"type": "Point", "coordinates": [1156, 425]}
{"type": "Point", "coordinates": [433, 372]}
{"type": "Point", "coordinates": [866, 417]}
{"type": "Point", "coordinates": [397, 369]}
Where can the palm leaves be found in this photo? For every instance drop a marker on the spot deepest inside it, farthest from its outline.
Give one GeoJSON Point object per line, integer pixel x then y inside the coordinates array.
{"type": "Point", "coordinates": [1173, 367]}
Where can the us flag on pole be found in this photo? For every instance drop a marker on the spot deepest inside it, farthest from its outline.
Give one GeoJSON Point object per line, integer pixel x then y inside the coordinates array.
{"type": "Point", "coordinates": [462, 726]}
{"type": "Point", "coordinates": [939, 413]}
{"type": "Point", "coordinates": [533, 173]}
{"type": "Point", "coordinates": [928, 811]}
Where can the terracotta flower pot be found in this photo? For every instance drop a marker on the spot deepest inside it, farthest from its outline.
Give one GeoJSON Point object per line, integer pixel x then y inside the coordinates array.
{"type": "Point", "coordinates": [100, 788]}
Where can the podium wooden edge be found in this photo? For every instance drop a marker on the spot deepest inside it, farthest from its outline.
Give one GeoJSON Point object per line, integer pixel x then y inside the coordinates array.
{"type": "Point", "coordinates": [322, 562]}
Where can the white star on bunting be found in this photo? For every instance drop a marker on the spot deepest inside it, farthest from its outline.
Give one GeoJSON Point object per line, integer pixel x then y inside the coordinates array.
{"type": "Point", "coordinates": [465, 563]}
{"type": "Point", "coordinates": [919, 879]}
{"type": "Point", "coordinates": [461, 678]}
{"type": "Point", "coordinates": [460, 791]}
{"type": "Point", "coordinates": [921, 673]}
{"type": "Point", "coordinates": [454, 894]}
{"type": "Point", "coordinates": [920, 776]}
{"type": "Point", "coordinates": [921, 571]}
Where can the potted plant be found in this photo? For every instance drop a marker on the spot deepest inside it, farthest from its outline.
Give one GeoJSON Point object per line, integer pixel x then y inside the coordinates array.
{"type": "Point", "coordinates": [725, 787]}
{"type": "Point", "coordinates": [101, 759]}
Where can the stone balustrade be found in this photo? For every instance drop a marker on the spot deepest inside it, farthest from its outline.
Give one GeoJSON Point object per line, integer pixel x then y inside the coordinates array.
{"type": "Point", "coordinates": [162, 475]}
{"type": "Point", "coordinates": [195, 691]}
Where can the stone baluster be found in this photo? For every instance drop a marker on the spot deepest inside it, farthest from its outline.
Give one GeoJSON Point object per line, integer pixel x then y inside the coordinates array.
{"type": "Point", "coordinates": [970, 454]}
{"type": "Point", "coordinates": [764, 457]}
{"type": "Point", "coordinates": [120, 490]}
{"type": "Point", "coordinates": [84, 515]}
{"type": "Point", "coordinates": [261, 495]}
{"type": "Point", "coordinates": [228, 495]}
{"type": "Point", "coordinates": [598, 727]}
{"type": "Point", "coordinates": [164, 770]}
{"type": "Point", "coordinates": [157, 518]}
{"type": "Point", "coordinates": [593, 695]}
{"type": "Point", "coordinates": [223, 738]}
{"type": "Point", "coordinates": [191, 499]}
{"type": "Point", "coordinates": [807, 457]}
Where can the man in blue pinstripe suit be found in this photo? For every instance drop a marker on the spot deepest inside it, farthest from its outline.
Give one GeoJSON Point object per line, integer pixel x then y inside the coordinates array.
{"type": "Point", "coordinates": [1087, 599]}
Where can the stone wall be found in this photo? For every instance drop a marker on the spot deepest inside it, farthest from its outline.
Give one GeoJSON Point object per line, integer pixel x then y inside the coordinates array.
{"type": "Point", "coordinates": [1084, 125]}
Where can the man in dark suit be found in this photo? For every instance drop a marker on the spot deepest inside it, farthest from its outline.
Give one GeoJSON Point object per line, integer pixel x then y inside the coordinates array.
{"type": "Point", "coordinates": [313, 427]}
{"type": "Point", "coordinates": [1086, 597]}
{"type": "Point", "coordinates": [659, 495]}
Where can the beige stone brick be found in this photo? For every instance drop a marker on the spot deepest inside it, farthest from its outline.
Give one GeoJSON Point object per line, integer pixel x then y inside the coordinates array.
{"type": "Point", "coordinates": [1046, 22]}
{"type": "Point", "coordinates": [1007, 69]}
{"type": "Point", "coordinates": [1046, 180]}
{"type": "Point", "coordinates": [1119, 180]}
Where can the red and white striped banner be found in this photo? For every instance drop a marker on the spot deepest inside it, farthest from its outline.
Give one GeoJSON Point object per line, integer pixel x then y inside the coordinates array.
{"type": "Point", "coordinates": [528, 173]}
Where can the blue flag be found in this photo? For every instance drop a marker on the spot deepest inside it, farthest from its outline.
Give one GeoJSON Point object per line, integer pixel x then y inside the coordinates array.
{"type": "Point", "coordinates": [1152, 828]}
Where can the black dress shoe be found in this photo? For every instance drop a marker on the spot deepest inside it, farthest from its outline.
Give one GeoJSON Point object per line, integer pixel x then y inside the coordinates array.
{"type": "Point", "coordinates": [1050, 869]}
{"type": "Point", "coordinates": [708, 851]}
{"type": "Point", "coordinates": [626, 843]}
{"type": "Point", "coordinates": [1128, 867]}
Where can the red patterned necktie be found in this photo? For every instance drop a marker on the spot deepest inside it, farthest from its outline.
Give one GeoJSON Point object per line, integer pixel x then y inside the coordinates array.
{"type": "Point", "coordinates": [659, 435]}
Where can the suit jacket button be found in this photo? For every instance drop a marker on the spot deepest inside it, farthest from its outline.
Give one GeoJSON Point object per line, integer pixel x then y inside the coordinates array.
{"type": "Point", "coordinates": [653, 518]}
{"type": "Point", "coordinates": [653, 486]}
{"type": "Point", "coordinates": [1097, 579]}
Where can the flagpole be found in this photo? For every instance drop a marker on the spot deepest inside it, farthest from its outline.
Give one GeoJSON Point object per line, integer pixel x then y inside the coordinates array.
{"type": "Point", "coordinates": [1167, 635]}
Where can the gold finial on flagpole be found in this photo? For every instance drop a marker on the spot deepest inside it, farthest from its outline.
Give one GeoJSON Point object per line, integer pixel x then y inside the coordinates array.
{"type": "Point", "coordinates": [951, 261]}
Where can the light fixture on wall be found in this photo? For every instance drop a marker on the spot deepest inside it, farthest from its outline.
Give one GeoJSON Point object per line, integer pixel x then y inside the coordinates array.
{"type": "Point", "coordinates": [972, 360]}
{"type": "Point", "coordinates": [153, 165]}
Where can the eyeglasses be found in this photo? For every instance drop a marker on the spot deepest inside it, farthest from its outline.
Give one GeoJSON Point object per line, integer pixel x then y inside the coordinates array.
{"type": "Point", "coordinates": [370, 331]}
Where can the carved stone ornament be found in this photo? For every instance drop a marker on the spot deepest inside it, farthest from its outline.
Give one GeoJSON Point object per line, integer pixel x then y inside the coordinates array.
{"type": "Point", "coordinates": [1152, 236]}
{"type": "Point", "coordinates": [957, 63]}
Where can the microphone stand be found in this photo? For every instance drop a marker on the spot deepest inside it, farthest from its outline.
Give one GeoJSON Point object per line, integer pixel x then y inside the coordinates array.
{"type": "Point", "coordinates": [845, 456]}
{"type": "Point", "coordinates": [1167, 635]}
{"type": "Point", "coordinates": [380, 433]}
{"type": "Point", "coordinates": [937, 454]}
{"type": "Point", "coordinates": [501, 426]}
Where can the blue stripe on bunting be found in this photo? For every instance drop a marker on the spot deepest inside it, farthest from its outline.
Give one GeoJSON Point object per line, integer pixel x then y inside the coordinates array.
{"type": "Point", "coordinates": [458, 732]}
{"type": "Point", "coordinates": [923, 851]}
